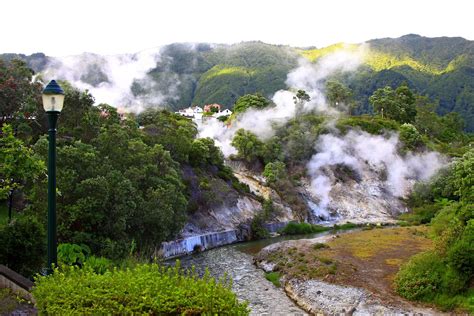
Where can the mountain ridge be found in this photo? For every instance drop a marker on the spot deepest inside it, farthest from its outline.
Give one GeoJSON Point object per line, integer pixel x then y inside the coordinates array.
{"type": "Point", "coordinates": [200, 73]}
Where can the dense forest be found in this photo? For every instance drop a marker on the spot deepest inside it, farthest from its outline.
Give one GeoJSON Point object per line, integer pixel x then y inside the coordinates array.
{"type": "Point", "coordinates": [440, 68]}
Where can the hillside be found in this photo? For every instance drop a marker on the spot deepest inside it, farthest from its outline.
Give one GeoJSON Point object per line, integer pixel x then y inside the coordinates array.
{"type": "Point", "coordinates": [182, 74]}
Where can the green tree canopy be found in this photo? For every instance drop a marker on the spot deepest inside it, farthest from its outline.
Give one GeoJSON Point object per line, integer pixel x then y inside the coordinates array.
{"type": "Point", "coordinates": [17, 162]}
{"type": "Point", "coordinates": [248, 145]}
{"type": "Point", "coordinates": [247, 101]}
{"type": "Point", "coordinates": [398, 104]}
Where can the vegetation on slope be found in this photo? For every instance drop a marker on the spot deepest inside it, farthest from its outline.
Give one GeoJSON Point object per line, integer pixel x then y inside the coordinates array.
{"type": "Point", "coordinates": [441, 68]}
{"type": "Point", "coordinates": [143, 289]}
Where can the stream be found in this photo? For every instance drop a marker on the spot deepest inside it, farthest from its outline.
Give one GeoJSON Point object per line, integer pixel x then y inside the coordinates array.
{"type": "Point", "coordinates": [249, 282]}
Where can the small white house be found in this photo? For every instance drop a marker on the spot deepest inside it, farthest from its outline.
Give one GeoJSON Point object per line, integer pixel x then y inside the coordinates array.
{"type": "Point", "coordinates": [191, 112]}
{"type": "Point", "coordinates": [226, 112]}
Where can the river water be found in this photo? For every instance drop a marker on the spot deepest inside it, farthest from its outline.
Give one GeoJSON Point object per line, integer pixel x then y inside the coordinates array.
{"type": "Point", "coordinates": [249, 283]}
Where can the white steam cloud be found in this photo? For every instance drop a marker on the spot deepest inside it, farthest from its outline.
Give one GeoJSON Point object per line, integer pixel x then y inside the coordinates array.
{"type": "Point", "coordinates": [367, 155]}
{"type": "Point", "coordinates": [308, 77]}
{"type": "Point", "coordinates": [110, 78]}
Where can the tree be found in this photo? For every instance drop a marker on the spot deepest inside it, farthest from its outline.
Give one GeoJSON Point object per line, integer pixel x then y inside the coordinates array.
{"type": "Point", "coordinates": [300, 99]}
{"type": "Point", "coordinates": [174, 132]}
{"type": "Point", "coordinates": [248, 145]}
{"type": "Point", "coordinates": [398, 104]}
{"type": "Point", "coordinates": [410, 136]}
{"type": "Point", "coordinates": [20, 98]}
{"type": "Point", "coordinates": [17, 162]}
{"type": "Point", "coordinates": [339, 96]}
{"type": "Point", "coordinates": [248, 101]}
{"type": "Point", "coordinates": [274, 171]}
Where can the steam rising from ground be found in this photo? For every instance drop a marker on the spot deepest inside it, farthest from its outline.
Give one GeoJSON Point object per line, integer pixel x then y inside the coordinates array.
{"type": "Point", "coordinates": [307, 76]}
{"type": "Point", "coordinates": [368, 154]}
{"type": "Point", "coordinates": [110, 78]}
{"type": "Point", "coordinates": [372, 158]}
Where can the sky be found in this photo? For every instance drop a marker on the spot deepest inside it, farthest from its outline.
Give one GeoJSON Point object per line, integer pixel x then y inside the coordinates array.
{"type": "Point", "coordinates": [67, 27]}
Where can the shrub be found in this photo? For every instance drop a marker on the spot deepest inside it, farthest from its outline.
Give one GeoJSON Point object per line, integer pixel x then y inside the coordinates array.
{"type": "Point", "coordinates": [461, 253]}
{"type": "Point", "coordinates": [410, 136]}
{"type": "Point", "coordinates": [421, 277]}
{"type": "Point", "coordinates": [257, 228]}
{"type": "Point", "coordinates": [144, 289]}
{"type": "Point", "coordinates": [302, 228]}
{"type": "Point", "coordinates": [23, 245]}
{"type": "Point", "coordinates": [72, 254]}
{"type": "Point", "coordinates": [99, 264]}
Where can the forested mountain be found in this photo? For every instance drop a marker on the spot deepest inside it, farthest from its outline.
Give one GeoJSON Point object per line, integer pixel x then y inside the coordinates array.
{"type": "Point", "coordinates": [184, 74]}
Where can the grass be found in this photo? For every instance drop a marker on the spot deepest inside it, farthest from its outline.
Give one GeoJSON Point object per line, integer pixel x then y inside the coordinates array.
{"type": "Point", "coordinates": [365, 258]}
{"type": "Point", "coordinates": [369, 243]}
{"type": "Point", "coordinates": [273, 277]}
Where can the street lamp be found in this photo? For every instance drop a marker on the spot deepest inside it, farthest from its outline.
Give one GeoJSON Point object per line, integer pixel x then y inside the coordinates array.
{"type": "Point", "coordinates": [53, 99]}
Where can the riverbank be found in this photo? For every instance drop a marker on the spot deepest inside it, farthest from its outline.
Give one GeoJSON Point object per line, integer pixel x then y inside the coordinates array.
{"type": "Point", "coordinates": [347, 273]}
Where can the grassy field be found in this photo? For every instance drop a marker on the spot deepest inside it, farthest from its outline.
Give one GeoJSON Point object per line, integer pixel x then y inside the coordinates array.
{"type": "Point", "coordinates": [367, 259]}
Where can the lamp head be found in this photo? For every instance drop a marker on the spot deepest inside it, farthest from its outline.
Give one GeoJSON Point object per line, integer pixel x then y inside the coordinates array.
{"type": "Point", "coordinates": [53, 97]}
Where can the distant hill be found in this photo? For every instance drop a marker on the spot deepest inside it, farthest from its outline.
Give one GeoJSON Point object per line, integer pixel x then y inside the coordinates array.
{"type": "Point", "coordinates": [442, 68]}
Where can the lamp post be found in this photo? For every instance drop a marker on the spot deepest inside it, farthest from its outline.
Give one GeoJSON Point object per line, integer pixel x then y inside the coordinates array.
{"type": "Point", "coordinates": [53, 99]}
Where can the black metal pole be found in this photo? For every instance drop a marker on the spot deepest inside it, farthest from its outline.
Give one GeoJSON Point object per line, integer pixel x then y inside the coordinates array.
{"type": "Point", "coordinates": [52, 239]}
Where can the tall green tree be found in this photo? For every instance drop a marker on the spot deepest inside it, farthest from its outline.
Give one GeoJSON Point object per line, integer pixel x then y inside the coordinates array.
{"type": "Point", "coordinates": [398, 104]}
{"type": "Point", "coordinates": [248, 101]}
{"type": "Point", "coordinates": [18, 163]}
{"type": "Point", "coordinates": [248, 145]}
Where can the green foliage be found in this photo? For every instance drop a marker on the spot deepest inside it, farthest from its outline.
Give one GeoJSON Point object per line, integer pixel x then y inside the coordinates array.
{"type": "Point", "coordinates": [370, 124]}
{"type": "Point", "coordinates": [421, 215]}
{"type": "Point", "coordinates": [23, 245]}
{"type": "Point", "coordinates": [345, 226]}
{"type": "Point", "coordinates": [274, 171]}
{"type": "Point", "coordinates": [463, 181]}
{"type": "Point", "coordinates": [256, 101]}
{"type": "Point", "coordinates": [398, 104]}
{"type": "Point", "coordinates": [20, 99]}
{"type": "Point", "coordinates": [72, 254]}
{"type": "Point", "coordinates": [410, 136]}
{"type": "Point", "coordinates": [443, 276]}
{"type": "Point", "coordinates": [116, 176]}
{"type": "Point", "coordinates": [273, 277]}
{"type": "Point", "coordinates": [258, 231]}
{"type": "Point", "coordinates": [99, 265]}
{"type": "Point", "coordinates": [248, 145]}
{"type": "Point", "coordinates": [143, 289]}
{"type": "Point", "coordinates": [205, 152]}
{"type": "Point", "coordinates": [174, 132]}
{"type": "Point", "coordinates": [294, 228]}
{"type": "Point", "coordinates": [461, 253]}
{"type": "Point", "coordinates": [421, 277]}
{"type": "Point", "coordinates": [17, 162]}
{"type": "Point", "coordinates": [339, 95]}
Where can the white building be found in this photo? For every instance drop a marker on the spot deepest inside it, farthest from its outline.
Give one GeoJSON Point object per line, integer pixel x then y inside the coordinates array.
{"type": "Point", "coordinates": [226, 112]}
{"type": "Point", "coordinates": [194, 112]}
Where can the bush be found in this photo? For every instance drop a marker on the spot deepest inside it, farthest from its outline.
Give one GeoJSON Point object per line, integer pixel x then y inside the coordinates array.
{"type": "Point", "coordinates": [23, 245]}
{"type": "Point", "coordinates": [302, 228]}
{"type": "Point", "coordinates": [410, 137]}
{"type": "Point", "coordinates": [461, 253]}
{"type": "Point", "coordinates": [421, 215]}
{"type": "Point", "coordinates": [99, 264]}
{"type": "Point", "coordinates": [257, 228]}
{"type": "Point", "coordinates": [72, 254]}
{"type": "Point", "coordinates": [421, 277]}
{"type": "Point", "coordinates": [144, 289]}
